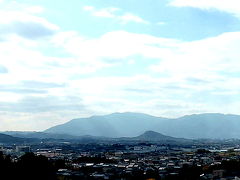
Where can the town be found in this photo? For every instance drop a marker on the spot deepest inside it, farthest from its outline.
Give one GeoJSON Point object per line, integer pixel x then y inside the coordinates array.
{"type": "Point", "coordinates": [134, 160]}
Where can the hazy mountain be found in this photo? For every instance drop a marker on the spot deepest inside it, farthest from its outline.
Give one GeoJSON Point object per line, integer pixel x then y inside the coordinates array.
{"type": "Point", "coordinates": [39, 135]}
{"type": "Point", "coordinates": [208, 125]}
{"type": "Point", "coordinates": [10, 139]}
{"type": "Point", "coordinates": [113, 125]}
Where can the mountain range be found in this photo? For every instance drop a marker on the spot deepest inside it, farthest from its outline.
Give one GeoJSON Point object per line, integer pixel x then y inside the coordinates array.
{"type": "Point", "coordinates": [7, 139]}
{"type": "Point", "coordinates": [148, 136]}
{"type": "Point", "coordinates": [208, 125]}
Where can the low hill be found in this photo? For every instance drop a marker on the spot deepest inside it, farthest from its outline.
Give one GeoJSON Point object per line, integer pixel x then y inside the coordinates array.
{"type": "Point", "coordinates": [155, 136]}
{"type": "Point", "coordinates": [10, 139]}
{"type": "Point", "coordinates": [39, 135]}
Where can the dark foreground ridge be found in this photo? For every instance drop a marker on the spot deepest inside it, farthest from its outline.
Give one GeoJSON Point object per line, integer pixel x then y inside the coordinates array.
{"type": "Point", "coordinates": [28, 167]}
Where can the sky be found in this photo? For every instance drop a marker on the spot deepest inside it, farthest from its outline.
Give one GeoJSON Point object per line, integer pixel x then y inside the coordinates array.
{"type": "Point", "coordinates": [61, 60]}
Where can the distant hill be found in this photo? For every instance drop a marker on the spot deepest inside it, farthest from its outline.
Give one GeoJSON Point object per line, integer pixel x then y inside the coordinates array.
{"type": "Point", "coordinates": [155, 136]}
{"type": "Point", "coordinates": [10, 139]}
{"type": "Point", "coordinates": [39, 135]}
{"type": "Point", "coordinates": [209, 125]}
{"type": "Point", "coordinates": [149, 136]}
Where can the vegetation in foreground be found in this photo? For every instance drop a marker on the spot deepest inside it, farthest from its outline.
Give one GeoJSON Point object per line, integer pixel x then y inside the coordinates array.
{"type": "Point", "coordinates": [29, 167]}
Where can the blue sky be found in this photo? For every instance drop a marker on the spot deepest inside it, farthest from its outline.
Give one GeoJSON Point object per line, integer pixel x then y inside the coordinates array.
{"type": "Point", "coordinates": [63, 60]}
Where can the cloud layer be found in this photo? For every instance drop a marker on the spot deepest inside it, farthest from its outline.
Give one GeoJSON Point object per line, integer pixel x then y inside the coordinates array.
{"type": "Point", "coordinates": [113, 13]}
{"type": "Point", "coordinates": [49, 75]}
{"type": "Point", "coordinates": [229, 6]}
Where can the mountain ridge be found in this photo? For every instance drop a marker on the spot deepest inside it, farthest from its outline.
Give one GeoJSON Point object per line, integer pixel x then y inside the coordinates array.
{"type": "Point", "coordinates": [148, 136]}
{"type": "Point", "coordinates": [8, 139]}
{"type": "Point", "coordinates": [206, 125]}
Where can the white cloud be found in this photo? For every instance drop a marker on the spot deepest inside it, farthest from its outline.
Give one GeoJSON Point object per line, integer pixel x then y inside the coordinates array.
{"type": "Point", "coordinates": [182, 78]}
{"type": "Point", "coordinates": [128, 17]}
{"type": "Point", "coordinates": [161, 23]}
{"type": "Point", "coordinates": [203, 58]}
{"type": "Point", "coordinates": [34, 9]}
{"type": "Point", "coordinates": [229, 6]}
{"type": "Point", "coordinates": [112, 12]}
{"type": "Point", "coordinates": [25, 21]}
{"type": "Point", "coordinates": [116, 45]}
{"type": "Point", "coordinates": [183, 69]}
{"type": "Point", "coordinates": [88, 8]}
{"type": "Point", "coordinates": [105, 12]}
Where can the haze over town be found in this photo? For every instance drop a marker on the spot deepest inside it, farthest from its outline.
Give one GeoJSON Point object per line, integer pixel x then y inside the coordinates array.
{"type": "Point", "coordinates": [61, 60]}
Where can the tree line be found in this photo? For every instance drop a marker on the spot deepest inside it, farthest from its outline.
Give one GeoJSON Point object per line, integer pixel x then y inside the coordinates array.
{"type": "Point", "coordinates": [29, 167]}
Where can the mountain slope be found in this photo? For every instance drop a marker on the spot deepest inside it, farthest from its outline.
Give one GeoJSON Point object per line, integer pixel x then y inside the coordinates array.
{"type": "Point", "coordinates": [155, 136]}
{"type": "Point", "coordinates": [209, 125]}
{"type": "Point", "coordinates": [38, 135]}
{"type": "Point", "coordinates": [10, 139]}
{"type": "Point", "coordinates": [113, 125]}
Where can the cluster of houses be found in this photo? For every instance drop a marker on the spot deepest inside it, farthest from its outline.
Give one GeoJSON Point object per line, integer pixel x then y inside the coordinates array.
{"type": "Point", "coordinates": [137, 161]}
{"type": "Point", "coordinates": [152, 165]}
